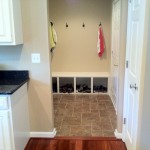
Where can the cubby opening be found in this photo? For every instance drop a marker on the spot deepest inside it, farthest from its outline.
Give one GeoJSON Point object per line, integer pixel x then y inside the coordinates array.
{"type": "Point", "coordinates": [100, 85]}
{"type": "Point", "coordinates": [83, 85]}
{"type": "Point", "coordinates": [54, 85]}
{"type": "Point", "coordinates": [66, 84]}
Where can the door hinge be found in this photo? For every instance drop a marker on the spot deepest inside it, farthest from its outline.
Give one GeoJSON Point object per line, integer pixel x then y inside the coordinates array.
{"type": "Point", "coordinates": [124, 120]}
{"type": "Point", "coordinates": [127, 63]}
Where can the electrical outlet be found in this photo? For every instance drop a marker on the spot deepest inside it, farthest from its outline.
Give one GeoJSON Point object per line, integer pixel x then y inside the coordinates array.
{"type": "Point", "coordinates": [35, 58]}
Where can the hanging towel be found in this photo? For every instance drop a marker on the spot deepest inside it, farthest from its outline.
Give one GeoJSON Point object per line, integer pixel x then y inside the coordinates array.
{"type": "Point", "coordinates": [53, 37]}
{"type": "Point", "coordinates": [100, 42]}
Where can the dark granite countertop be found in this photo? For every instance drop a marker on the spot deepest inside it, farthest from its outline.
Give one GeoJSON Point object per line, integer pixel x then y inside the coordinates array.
{"type": "Point", "coordinates": [10, 81]}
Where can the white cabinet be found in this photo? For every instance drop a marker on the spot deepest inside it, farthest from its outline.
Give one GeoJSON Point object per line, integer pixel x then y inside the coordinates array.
{"type": "Point", "coordinates": [5, 131]}
{"type": "Point", "coordinates": [14, 120]}
{"type": "Point", "coordinates": [10, 22]}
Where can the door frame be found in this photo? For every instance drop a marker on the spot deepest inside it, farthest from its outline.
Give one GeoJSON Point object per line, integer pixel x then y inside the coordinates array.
{"type": "Point", "coordinates": [145, 9]}
{"type": "Point", "coordinates": [114, 97]}
{"type": "Point", "coordinates": [121, 67]}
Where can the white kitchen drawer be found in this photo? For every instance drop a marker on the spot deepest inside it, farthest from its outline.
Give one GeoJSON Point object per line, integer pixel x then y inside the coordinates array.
{"type": "Point", "coordinates": [4, 103]}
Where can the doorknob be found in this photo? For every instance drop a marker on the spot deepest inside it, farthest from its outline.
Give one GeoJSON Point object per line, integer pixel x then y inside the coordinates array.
{"type": "Point", "coordinates": [133, 86]}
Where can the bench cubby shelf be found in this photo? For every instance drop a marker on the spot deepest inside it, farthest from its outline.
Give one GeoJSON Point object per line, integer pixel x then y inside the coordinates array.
{"type": "Point", "coordinates": [93, 82]}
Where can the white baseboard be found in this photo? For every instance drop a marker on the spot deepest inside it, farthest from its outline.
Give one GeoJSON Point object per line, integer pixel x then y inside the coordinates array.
{"type": "Point", "coordinates": [113, 101]}
{"type": "Point", "coordinates": [117, 134]}
{"type": "Point", "coordinates": [43, 134]}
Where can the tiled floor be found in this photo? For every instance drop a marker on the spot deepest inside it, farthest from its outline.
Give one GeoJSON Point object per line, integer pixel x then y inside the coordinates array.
{"type": "Point", "coordinates": [84, 115]}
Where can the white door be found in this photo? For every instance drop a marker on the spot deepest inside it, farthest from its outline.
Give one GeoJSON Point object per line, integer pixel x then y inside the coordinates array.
{"type": "Point", "coordinates": [135, 33]}
{"type": "Point", "coordinates": [115, 49]}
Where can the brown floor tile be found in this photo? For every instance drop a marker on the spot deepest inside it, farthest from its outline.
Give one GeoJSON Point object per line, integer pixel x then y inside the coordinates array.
{"type": "Point", "coordinates": [101, 101]}
{"type": "Point", "coordinates": [107, 126]}
{"type": "Point", "coordinates": [63, 130]}
{"type": "Point", "coordinates": [94, 106]}
{"type": "Point", "coordinates": [71, 121]}
{"type": "Point", "coordinates": [84, 115]}
{"type": "Point", "coordinates": [96, 122]}
{"type": "Point", "coordinates": [68, 97]}
{"type": "Point", "coordinates": [88, 118]}
{"type": "Point", "coordinates": [102, 107]}
{"type": "Point", "coordinates": [104, 113]}
{"type": "Point", "coordinates": [108, 133]}
{"type": "Point", "coordinates": [57, 96]}
{"type": "Point", "coordinates": [109, 103]}
{"type": "Point", "coordinates": [96, 127]}
{"type": "Point", "coordinates": [98, 133]}
{"type": "Point", "coordinates": [60, 106]}
{"type": "Point", "coordinates": [86, 108]}
{"type": "Point", "coordinates": [80, 131]}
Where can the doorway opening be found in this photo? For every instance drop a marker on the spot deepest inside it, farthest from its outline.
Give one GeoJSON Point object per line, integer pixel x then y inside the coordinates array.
{"type": "Point", "coordinates": [84, 103]}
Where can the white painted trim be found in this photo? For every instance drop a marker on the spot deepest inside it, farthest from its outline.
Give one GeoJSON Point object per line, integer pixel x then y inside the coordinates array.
{"type": "Point", "coordinates": [110, 95]}
{"type": "Point", "coordinates": [123, 133]}
{"type": "Point", "coordinates": [80, 74]}
{"type": "Point", "coordinates": [117, 134]}
{"type": "Point", "coordinates": [43, 134]}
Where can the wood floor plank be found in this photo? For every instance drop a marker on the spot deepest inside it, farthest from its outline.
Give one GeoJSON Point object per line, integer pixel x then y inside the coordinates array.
{"type": "Point", "coordinates": [79, 143]}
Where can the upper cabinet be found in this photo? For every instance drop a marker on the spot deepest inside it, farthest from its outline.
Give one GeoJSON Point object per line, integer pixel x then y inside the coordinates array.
{"type": "Point", "coordinates": [10, 22]}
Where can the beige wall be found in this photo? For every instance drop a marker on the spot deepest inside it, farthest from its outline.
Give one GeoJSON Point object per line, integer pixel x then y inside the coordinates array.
{"type": "Point", "coordinates": [34, 15]}
{"type": "Point", "coordinates": [76, 49]}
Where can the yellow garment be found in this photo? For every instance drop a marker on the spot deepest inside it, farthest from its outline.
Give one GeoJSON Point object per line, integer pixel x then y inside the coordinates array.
{"type": "Point", "coordinates": [53, 37]}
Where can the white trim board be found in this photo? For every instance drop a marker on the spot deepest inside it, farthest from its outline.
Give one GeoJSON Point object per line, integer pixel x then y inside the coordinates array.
{"type": "Point", "coordinates": [80, 74]}
{"type": "Point", "coordinates": [110, 95]}
{"type": "Point", "coordinates": [117, 134]}
{"type": "Point", "coordinates": [43, 134]}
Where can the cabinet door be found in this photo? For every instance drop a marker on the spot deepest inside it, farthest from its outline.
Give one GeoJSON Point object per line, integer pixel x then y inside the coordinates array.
{"type": "Point", "coordinates": [5, 21]}
{"type": "Point", "coordinates": [5, 131]}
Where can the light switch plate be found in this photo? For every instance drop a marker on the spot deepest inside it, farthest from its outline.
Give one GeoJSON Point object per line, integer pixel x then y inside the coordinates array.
{"type": "Point", "coordinates": [35, 58]}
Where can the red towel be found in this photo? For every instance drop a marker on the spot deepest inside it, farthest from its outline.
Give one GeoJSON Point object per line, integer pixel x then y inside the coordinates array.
{"type": "Point", "coordinates": [101, 42]}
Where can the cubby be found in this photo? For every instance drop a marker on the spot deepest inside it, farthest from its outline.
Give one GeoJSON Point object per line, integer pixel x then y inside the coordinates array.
{"type": "Point", "coordinates": [82, 83]}
{"type": "Point", "coordinates": [66, 85]}
{"type": "Point", "coordinates": [100, 85]}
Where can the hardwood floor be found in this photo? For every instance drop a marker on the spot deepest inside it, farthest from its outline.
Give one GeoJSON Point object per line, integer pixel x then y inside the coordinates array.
{"type": "Point", "coordinates": [75, 143]}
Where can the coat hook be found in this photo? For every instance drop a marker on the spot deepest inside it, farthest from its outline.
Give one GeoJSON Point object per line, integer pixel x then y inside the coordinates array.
{"type": "Point", "coordinates": [51, 23]}
{"type": "Point", "coordinates": [100, 24]}
{"type": "Point", "coordinates": [83, 25]}
{"type": "Point", "coordinates": [66, 25]}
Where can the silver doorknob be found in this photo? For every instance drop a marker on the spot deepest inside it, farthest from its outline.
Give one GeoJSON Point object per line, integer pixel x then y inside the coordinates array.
{"type": "Point", "coordinates": [133, 86]}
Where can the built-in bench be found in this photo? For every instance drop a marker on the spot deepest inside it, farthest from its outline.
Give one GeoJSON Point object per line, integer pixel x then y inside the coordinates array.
{"type": "Point", "coordinates": [80, 82]}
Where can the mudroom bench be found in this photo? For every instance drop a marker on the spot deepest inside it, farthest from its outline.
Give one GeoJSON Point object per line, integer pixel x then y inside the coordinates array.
{"type": "Point", "coordinates": [80, 82]}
